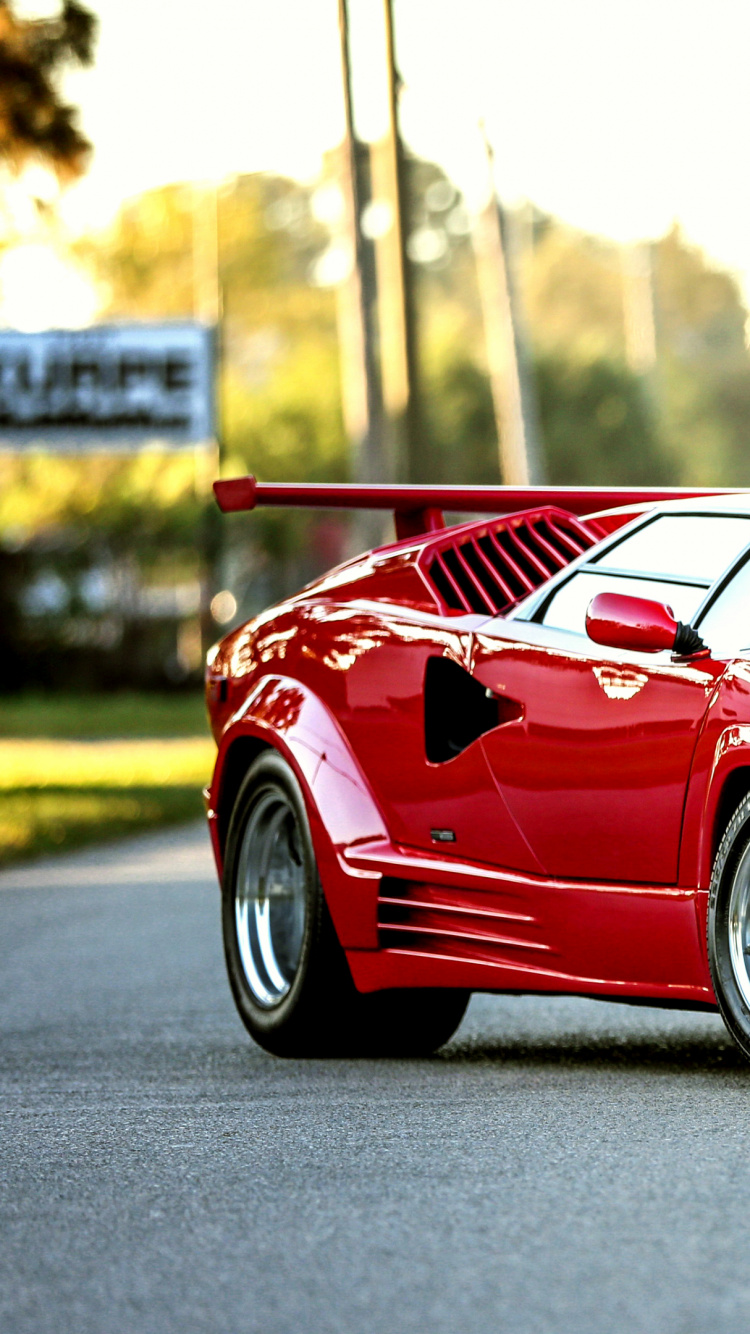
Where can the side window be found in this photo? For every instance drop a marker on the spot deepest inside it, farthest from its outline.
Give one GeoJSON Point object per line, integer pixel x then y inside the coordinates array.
{"type": "Point", "coordinates": [673, 559]}
{"type": "Point", "coordinates": [725, 627]}
{"type": "Point", "coordinates": [567, 610]}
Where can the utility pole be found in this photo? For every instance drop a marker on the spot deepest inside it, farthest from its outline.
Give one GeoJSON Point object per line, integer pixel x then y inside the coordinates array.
{"type": "Point", "coordinates": [521, 461]}
{"type": "Point", "coordinates": [395, 301]}
{"type": "Point", "coordinates": [361, 387]}
{"type": "Point", "coordinates": [355, 303]}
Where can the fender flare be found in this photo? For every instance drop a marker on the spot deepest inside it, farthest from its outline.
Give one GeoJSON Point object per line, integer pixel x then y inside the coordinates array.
{"type": "Point", "coordinates": [285, 714]}
{"type": "Point", "coordinates": [729, 752]}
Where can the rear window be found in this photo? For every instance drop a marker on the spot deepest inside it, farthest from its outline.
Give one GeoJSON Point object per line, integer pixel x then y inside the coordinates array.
{"type": "Point", "coordinates": [684, 546]}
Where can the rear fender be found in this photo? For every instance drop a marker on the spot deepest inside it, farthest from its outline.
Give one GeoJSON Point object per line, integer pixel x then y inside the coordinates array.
{"type": "Point", "coordinates": [285, 714]}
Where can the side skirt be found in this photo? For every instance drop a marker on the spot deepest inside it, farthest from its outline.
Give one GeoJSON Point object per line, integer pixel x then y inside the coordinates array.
{"type": "Point", "coordinates": [446, 923]}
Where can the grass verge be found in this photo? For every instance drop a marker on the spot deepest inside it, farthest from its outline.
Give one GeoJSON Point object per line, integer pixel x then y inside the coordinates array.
{"type": "Point", "coordinates": [56, 795]}
{"type": "Point", "coordinates": [124, 713]}
{"type": "Point", "coordinates": [58, 819]}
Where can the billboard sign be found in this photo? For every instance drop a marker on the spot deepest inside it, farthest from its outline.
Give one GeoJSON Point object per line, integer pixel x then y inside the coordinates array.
{"type": "Point", "coordinates": [117, 386]}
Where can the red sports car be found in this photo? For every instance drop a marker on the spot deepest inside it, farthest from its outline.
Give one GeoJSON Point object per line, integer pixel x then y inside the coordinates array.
{"type": "Point", "coordinates": [510, 755]}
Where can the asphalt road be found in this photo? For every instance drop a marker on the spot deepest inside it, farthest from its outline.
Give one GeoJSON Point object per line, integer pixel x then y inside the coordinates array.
{"type": "Point", "coordinates": [562, 1165]}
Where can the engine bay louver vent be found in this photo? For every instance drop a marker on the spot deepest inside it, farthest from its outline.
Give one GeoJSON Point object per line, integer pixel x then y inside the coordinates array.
{"type": "Point", "coordinates": [486, 568]}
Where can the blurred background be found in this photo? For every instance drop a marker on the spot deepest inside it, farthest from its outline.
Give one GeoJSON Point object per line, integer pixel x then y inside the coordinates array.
{"type": "Point", "coordinates": [453, 243]}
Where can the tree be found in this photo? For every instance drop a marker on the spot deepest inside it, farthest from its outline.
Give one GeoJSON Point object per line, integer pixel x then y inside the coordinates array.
{"type": "Point", "coordinates": [35, 124]}
{"type": "Point", "coordinates": [279, 386]}
{"type": "Point", "coordinates": [598, 427]}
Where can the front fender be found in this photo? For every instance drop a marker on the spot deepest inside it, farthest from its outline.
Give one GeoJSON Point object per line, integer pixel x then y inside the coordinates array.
{"type": "Point", "coordinates": [723, 747]}
{"type": "Point", "coordinates": [342, 811]}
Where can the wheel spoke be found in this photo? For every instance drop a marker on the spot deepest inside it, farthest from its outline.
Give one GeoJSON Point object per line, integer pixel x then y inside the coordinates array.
{"type": "Point", "coordinates": [271, 897]}
{"type": "Point", "coordinates": [739, 925]}
{"type": "Point", "coordinates": [257, 985]}
{"type": "Point", "coordinates": [266, 947]}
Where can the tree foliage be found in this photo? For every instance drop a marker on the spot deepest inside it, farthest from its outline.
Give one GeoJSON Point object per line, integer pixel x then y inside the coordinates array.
{"type": "Point", "coordinates": [35, 124]}
{"type": "Point", "coordinates": [598, 425]}
{"type": "Point", "coordinates": [280, 397]}
{"type": "Point", "coordinates": [687, 421]}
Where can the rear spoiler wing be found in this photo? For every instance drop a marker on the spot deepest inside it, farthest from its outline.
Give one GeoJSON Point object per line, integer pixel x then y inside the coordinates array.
{"type": "Point", "coordinates": [419, 509]}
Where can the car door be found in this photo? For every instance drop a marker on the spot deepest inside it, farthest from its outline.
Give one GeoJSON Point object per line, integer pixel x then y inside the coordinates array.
{"type": "Point", "coordinates": [596, 768]}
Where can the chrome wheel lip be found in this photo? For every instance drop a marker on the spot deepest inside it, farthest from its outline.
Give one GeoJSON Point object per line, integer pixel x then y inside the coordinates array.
{"type": "Point", "coordinates": [270, 898]}
{"type": "Point", "coordinates": [738, 926]}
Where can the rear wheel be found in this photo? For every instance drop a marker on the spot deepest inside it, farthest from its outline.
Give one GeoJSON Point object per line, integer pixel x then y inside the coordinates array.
{"type": "Point", "coordinates": [729, 926]}
{"type": "Point", "coordinates": [288, 973]}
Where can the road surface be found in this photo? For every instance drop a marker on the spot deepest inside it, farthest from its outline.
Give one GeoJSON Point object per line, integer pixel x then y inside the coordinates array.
{"type": "Point", "coordinates": [562, 1165]}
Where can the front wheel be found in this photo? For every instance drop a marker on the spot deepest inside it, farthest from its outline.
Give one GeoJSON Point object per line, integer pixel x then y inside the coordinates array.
{"type": "Point", "coordinates": [729, 926]}
{"type": "Point", "coordinates": [288, 973]}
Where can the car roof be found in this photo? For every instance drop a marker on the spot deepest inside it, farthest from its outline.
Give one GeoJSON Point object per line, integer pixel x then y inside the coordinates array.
{"type": "Point", "coordinates": [732, 503]}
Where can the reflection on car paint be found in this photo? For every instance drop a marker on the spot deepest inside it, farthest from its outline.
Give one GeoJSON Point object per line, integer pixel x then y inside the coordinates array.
{"type": "Point", "coordinates": [620, 684]}
{"type": "Point", "coordinates": [584, 831]}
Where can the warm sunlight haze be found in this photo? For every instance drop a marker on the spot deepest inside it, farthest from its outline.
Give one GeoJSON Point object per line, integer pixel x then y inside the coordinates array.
{"type": "Point", "coordinates": [617, 118]}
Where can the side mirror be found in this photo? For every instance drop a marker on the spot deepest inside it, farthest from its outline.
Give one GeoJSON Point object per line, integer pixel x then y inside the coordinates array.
{"type": "Point", "coordinates": [618, 620]}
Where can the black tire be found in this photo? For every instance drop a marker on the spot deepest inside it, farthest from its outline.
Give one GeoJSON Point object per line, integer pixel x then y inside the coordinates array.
{"type": "Point", "coordinates": [729, 926]}
{"type": "Point", "coordinates": [287, 971]}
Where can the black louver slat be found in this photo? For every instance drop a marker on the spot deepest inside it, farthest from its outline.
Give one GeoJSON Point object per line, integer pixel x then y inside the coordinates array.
{"type": "Point", "coordinates": [447, 588]}
{"type": "Point", "coordinates": [474, 595]}
{"type": "Point", "coordinates": [517, 583]}
{"type": "Point", "coordinates": [566, 544]}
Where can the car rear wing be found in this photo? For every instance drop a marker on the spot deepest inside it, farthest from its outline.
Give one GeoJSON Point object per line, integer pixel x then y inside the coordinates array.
{"type": "Point", "coordinates": [419, 509]}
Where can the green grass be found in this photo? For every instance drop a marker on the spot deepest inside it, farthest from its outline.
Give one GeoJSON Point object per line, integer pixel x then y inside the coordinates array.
{"type": "Point", "coordinates": [34, 821]}
{"type": "Point", "coordinates": [121, 714]}
{"type": "Point", "coordinates": [78, 769]}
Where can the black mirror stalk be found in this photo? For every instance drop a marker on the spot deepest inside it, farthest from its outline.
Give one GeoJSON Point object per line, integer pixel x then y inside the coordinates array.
{"type": "Point", "coordinates": [687, 641]}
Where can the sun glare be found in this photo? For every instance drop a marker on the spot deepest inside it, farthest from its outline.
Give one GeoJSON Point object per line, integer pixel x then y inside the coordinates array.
{"type": "Point", "coordinates": [39, 289]}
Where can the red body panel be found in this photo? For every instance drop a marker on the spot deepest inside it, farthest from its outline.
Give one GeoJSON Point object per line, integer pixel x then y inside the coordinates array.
{"type": "Point", "coordinates": [493, 929]}
{"type": "Point", "coordinates": [582, 821]}
{"type": "Point", "coordinates": [500, 931]}
{"type": "Point", "coordinates": [597, 769]}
